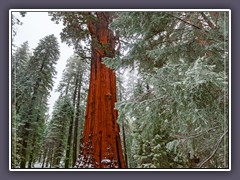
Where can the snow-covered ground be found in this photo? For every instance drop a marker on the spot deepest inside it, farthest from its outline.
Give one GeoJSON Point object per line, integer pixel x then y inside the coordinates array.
{"type": "Point", "coordinates": [37, 165]}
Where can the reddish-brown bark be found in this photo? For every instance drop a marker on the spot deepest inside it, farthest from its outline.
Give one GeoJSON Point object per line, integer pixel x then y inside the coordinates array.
{"type": "Point", "coordinates": [101, 144]}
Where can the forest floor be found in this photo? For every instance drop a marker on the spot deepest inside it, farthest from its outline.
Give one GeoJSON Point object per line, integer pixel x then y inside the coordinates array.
{"type": "Point", "coordinates": [37, 165]}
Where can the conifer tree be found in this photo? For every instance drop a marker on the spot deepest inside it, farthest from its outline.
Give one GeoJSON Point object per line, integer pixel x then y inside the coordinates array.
{"type": "Point", "coordinates": [183, 57]}
{"type": "Point", "coordinates": [39, 74]}
{"type": "Point", "coordinates": [71, 84]}
{"type": "Point", "coordinates": [58, 128]}
{"type": "Point", "coordinates": [19, 60]}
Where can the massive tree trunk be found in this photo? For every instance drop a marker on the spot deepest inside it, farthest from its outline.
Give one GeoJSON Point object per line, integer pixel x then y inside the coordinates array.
{"type": "Point", "coordinates": [101, 144]}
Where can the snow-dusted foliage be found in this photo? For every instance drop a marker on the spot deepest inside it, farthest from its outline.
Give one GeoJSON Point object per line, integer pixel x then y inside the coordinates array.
{"type": "Point", "coordinates": [55, 140]}
{"type": "Point", "coordinates": [180, 106]}
{"type": "Point", "coordinates": [32, 81]}
{"type": "Point", "coordinates": [20, 59]}
{"type": "Point", "coordinates": [66, 123]}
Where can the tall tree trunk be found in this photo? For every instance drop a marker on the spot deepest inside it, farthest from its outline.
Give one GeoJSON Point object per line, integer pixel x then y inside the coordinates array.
{"type": "Point", "coordinates": [101, 144]}
{"type": "Point", "coordinates": [124, 144]}
{"type": "Point", "coordinates": [33, 144]}
{"type": "Point", "coordinates": [23, 155]}
{"type": "Point", "coordinates": [70, 131]}
{"type": "Point", "coordinates": [50, 150]}
{"type": "Point", "coordinates": [56, 157]}
{"type": "Point", "coordinates": [31, 158]}
{"type": "Point", "coordinates": [44, 156]}
{"type": "Point", "coordinates": [48, 156]}
{"type": "Point", "coordinates": [75, 140]}
{"type": "Point", "coordinates": [51, 157]}
{"type": "Point", "coordinates": [123, 132]}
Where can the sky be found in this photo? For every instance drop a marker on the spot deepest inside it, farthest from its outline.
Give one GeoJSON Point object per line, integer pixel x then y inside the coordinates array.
{"type": "Point", "coordinates": [37, 25]}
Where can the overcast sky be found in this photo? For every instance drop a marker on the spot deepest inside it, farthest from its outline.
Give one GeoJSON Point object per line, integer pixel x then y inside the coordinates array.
{"type": "Point", "coordinates": [37, 25]}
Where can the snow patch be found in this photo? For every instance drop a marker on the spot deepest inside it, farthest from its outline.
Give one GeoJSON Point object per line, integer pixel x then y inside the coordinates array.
{"type": "Point", "coordinates": [106, 161]}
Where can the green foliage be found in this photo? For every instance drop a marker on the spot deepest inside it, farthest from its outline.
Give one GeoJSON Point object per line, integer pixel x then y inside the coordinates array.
{"type": "Point", "coordinates": [57, 129]}
{"type": "Point", "coordinates": [75, 77]}
{"type": "Point", "coordinates": [32, 81]}
{"type": "Point", "coordinates": [183, 58]}
{"type": "Point", "coordinates": [75, 31]}
{"type": "Point", "coordinates": [76, 68]}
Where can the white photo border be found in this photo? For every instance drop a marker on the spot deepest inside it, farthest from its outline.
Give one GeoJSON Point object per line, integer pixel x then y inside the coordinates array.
{"type": "Point", "coordinates": [117, 10]}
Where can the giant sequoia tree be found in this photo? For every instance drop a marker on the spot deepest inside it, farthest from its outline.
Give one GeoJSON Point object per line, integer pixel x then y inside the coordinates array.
{"type": "Point", "coordinates": [101, 144]}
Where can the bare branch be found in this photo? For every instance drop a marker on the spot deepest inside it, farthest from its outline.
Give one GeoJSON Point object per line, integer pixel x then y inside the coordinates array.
{"type": "Point", "coordinates": [193, 25]}
{"type": "Point", "coordinates": [186, 136]}
{"type": "Point", "coordinates": [215, 150]}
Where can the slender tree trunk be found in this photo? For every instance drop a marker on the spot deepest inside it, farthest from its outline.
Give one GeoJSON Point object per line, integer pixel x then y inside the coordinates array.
{"type": "Point", "coordinates": [33, 145]}
{"type": "Point", "coordinates": [51, 158]}
{"type": "Point", "coordinates": [48, 156]}
{"type": "Point", "coordinates": [32, 151]}
{"type": "Point", "coordinates": [40, 157]}
{"type": "Point", "coordinates": [30, 159]}
{"type": "Point", "coordinates": [124, 144]}
{"type": "Point", "coordinates": [44, 157]}
{"type": "Point", "coordinates": [50, 151]}
{"type": "Point", "coordinates": [76, 126]}
{"type": "Point", "coordinates": [24, 146]}
{"type": "Point", "coordinates": [70, 131]}
{"type": "Point", "coordinates": [58, 153]}
{"type": "Point", "coordinates": [101, 144]}
{"type": "Point", "coordinates": [67, 88]}
{"type": "Point", "coordinates": [123, 132]}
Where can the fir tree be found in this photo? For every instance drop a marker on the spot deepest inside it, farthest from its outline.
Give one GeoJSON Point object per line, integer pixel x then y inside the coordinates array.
{"type": "Point", "coordinates": [39, 74]}
{"type": "Point", "coordinates": [182, 55]}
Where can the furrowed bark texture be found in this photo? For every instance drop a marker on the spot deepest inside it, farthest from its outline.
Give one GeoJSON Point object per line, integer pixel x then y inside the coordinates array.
{"type": "Point", "coordinates": [101, 144]}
